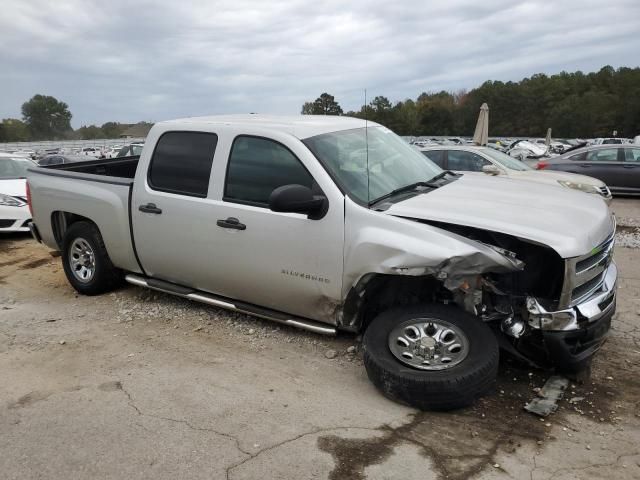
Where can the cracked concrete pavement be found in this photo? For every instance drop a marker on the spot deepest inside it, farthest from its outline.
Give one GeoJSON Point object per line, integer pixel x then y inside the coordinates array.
{"type": "Point", "coordinates": [134, 385]}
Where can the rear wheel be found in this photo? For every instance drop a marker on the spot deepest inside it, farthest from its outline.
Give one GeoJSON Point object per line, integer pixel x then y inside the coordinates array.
{"type": "Point", "coordinates": [86, 262]}
{"type": "Point", "coordinates": [432, 357]}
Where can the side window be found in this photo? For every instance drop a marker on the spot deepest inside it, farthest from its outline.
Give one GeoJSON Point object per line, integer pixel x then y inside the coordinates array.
{"type": "Point", "coordinates": [436, 156]}
{"type": "Point", "coordinates": [466, 161]}
{"type": "Point", "coordinates": [181, 163]}
{"type": "Point", "coordinates": [578, 157]}
{"type": "Point", "coordinates": [603, 155]}
{"type": "Point", "coordinates": [257, 166]}
{"type": "Point", "coordinates": [632, 155]}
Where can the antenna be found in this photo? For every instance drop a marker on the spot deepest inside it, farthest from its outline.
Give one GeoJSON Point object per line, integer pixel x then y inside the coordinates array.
{"type": "Point", "coordinates": [366, 142]}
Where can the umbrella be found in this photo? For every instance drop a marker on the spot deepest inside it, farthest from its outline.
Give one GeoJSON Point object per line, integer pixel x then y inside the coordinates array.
{"type": "Point", "coordinates": [481, 135]}
{"type": "Point", "coordinates": [547, 140]}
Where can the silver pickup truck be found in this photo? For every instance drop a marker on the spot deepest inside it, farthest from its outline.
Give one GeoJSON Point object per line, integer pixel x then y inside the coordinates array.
{"type": "Point", "coordinates": [329, 223]}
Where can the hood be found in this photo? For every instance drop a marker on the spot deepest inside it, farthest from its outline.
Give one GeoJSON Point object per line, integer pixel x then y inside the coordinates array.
{"type": "Point", "coordinates": [16, 187]}
{"type": "Point", "coordinates": [569, 221]}
{"type": "Point", "coordinates": [552, 177]}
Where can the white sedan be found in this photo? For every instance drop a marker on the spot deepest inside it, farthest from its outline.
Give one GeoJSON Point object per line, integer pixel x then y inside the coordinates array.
{"type": "Point", "coordinates": [14, 211]}
{"type": "Point", "coordinates": [492, 162]}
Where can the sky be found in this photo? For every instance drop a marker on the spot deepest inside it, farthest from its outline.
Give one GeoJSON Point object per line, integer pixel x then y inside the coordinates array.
{"type": "Point", "coordinates": [133, 60]}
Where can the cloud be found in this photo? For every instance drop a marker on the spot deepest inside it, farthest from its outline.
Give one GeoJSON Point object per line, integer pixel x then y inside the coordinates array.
{"type": "Point", "coordinates": [144, 60]}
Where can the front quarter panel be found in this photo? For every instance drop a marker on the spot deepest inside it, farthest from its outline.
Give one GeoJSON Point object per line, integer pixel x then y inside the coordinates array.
{"type": "Point", "coordinates": [376, 242]}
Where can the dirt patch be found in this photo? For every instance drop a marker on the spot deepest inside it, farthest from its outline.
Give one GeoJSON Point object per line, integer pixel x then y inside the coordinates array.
{"type": "Point", "coordinates": [13, 261]}
{"type": "Point", "coordinates": [36, 263]}
{"type": "Point", "coordinates": [29, 399]}
{"type": "Point", "coordinates": [110, 386]}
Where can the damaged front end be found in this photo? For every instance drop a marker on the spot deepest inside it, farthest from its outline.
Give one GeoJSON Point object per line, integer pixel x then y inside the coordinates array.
{"type": "Point", "coordinates": [545, 310]}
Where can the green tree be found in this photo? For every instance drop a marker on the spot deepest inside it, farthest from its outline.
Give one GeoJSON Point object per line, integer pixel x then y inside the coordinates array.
{"type": "Point", "coordinates": [14, 130]}
{"type": "Point", "coordinates": [307, 108]}
{"type": "Point", "coordinates": [47, 117]}
{"type": "Point", "coordinates": [90, 132]}
{"type": "Point", "coordinates": [325, 104]}
{"type": "Point", "coordinates": [112, 129]}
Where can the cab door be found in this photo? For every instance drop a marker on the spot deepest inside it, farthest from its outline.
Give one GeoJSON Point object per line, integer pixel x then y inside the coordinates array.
{"type": "Point", "coordinates": [201, 219]}
{"type": "Point", "coordinates": [283, 261]}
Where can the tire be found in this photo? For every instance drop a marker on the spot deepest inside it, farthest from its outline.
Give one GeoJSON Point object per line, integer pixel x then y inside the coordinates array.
{"type": "Point", "coordinates": [105, 276]}
{"type": "Point", "coordinates": [452, 387]}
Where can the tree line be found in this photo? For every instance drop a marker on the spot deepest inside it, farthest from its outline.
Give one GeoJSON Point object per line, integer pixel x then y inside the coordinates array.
{"type": "Point", "coordinates": [47, 118]}
{"type": "Point", "coordinates": [574, 105]}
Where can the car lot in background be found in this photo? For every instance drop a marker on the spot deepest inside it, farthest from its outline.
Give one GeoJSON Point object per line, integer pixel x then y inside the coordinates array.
{"type": "Point", "coordinates": [616, 165]}
{"type": "Point", "coordinates": [492, 162]}
{"type": "Point", "coordinates": [14, 212]}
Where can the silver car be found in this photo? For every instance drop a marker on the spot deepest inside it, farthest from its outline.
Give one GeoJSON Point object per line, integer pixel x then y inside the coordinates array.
{"type": "Point", "coordinates": [489, 161]}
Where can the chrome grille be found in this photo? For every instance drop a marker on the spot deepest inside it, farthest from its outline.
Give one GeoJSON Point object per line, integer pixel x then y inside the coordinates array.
{"type": "Point", "coordinates": [585, 275]}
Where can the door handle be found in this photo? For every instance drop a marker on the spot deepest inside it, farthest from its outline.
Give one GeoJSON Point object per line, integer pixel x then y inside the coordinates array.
{"type": "Point", "coordinates": [629, 166]}
{"type": "Point", "coordinates": [232, 223]}
{"type": "Point", "coordinates": [584, 165]}
{"type": "Point", "coordinates": [150, 208]}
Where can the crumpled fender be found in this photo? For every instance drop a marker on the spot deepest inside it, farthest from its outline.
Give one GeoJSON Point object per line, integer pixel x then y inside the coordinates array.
{"type": "Point", "coordinates": [380, 243]}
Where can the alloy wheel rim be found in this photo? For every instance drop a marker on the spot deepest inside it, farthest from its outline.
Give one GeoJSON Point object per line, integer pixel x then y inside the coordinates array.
{"type": "Point", "coordinates": [82, 260]}
{"type": "Point", "coordinates": [428, 344]}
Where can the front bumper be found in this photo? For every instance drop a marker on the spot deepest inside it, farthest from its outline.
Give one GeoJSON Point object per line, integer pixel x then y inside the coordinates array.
{"type": "Point", "coordinates": [14, 219]}
{"type": "Point", "coordinates": [573, 335]}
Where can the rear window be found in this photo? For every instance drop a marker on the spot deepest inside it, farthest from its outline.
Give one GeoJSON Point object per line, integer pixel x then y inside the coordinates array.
{"type": "Point", "coordinates": [181, 163]}
{"type": "Point", "coordinates": [603, 155]}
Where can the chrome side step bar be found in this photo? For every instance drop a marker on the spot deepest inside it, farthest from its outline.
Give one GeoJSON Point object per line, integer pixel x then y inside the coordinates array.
{"type": "Point", "coordinates": [209, 299]}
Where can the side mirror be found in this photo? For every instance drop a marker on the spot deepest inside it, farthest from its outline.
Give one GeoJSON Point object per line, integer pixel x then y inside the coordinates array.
{"type": "Point", "coordinates": [298, 199]}
{"type": "Point", "coordinates": [491, 170]}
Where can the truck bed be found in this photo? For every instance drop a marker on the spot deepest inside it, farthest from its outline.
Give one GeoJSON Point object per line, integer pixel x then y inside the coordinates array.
{"type": "Point", "coordinates": [123, 167]}
{"type": "Point", "coordinates": [98, 190]}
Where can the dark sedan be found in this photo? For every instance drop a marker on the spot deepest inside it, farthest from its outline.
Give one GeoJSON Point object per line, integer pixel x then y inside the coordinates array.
{"type": "Point", "coordinates": [616, 165]}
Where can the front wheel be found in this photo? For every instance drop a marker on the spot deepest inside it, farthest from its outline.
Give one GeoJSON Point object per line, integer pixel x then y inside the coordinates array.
{"type": "Point", "coordinates": [86, 262]}
{"type": "Point", "coordinates": [432, 357]}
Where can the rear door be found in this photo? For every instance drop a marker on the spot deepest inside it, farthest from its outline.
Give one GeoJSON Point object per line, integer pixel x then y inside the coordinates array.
{"type": "Point", "coordinates": [171, 214]}
{"type": "Point", "coordinates": [605, 164]}
{"type": "Point", "coordinates": [631, 166]}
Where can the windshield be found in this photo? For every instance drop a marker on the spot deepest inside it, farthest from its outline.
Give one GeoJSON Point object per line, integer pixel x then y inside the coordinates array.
{"type": "Point", "coordinates": [393, 163]}
{"type": "Point", "coordinates": [505, 160]}
{"type": "Point", "coordinates": [14, 167]}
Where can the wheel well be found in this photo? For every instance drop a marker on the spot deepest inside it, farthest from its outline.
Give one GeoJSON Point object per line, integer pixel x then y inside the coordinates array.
{"type": "Point", "coordinates": [376, 293]}
{"type": "Point", "coordinates": [61, 221]}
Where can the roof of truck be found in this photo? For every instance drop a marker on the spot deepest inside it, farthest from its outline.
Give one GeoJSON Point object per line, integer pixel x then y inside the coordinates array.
{"type": "Point", "coordinates": [301, 126]}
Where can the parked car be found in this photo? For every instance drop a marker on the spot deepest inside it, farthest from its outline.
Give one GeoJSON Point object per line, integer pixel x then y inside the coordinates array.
{"type": "Point", "coordinates": [14, 211]}
{"type": "Point", "coordinates": [112, 151]}
{"type": "Point", "coordinates": [608, 141]}
{"type": "Point", "coordinates": [62, 159]}
{"type": "Point", "coordinates": [131, 150]}
{"type": "Point", "coordinates": [321, 223]}
{"type": "Point", "coordinates": [490, 161]}
{"type": "Point", "coordinates": [524, 149]}
{"type": "Point", "coordinates": [616, 165]}
{"type": "Point", "coordinates": [95, 152]}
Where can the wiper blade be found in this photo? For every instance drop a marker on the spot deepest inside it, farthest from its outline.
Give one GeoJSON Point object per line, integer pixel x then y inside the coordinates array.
{"type": "Point", "coordinates": [406, 188]}
{"type": "Point", "coordinates": [442, 175]}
